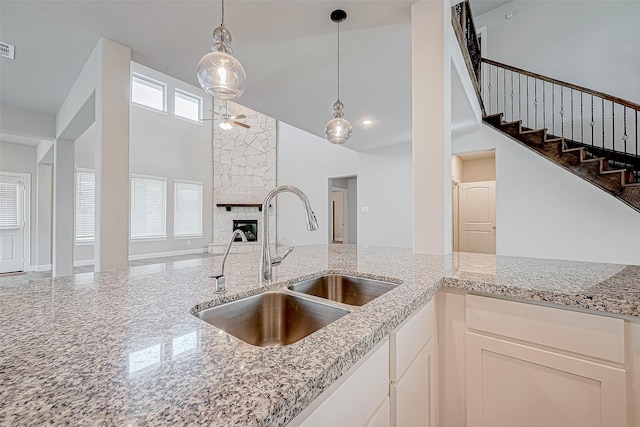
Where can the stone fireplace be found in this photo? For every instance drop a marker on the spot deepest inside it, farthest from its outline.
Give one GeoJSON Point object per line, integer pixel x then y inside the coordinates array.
{"type": "Point", "coordinates": [244, 172]}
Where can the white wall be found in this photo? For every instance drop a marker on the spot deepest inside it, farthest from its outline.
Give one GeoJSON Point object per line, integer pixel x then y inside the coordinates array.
{"type": "Point", "coordinates": [307, 161]}
{"type": "Point", "coordinates": [544, 211]}
{"type": "Point", "coordinates": [384, 186]}
{"type": "Point", "coordinates": [162, 145]}
{"type": "Point", "coordinates": [588, 43]}
{"type": "Point", "coordinates": [167, 146]}
{"type": "Point", "coordinates": [20, 158]}
{"type": "Point", "coordinates": [479, 170]}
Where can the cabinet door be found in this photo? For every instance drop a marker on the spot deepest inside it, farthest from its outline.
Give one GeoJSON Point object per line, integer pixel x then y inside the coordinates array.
{"type": "Point", "coordinates": [511, 384]}
{"type": "Point", "coordinates": [413, 396]}
{"type": "Point", "coordinates": [382, 416]}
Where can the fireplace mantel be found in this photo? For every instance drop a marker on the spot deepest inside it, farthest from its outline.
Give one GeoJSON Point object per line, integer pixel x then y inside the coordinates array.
{"type": "Point", "coordinates": [228, 206]}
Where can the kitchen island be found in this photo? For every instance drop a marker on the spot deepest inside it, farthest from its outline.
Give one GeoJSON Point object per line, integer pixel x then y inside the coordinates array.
{"type": "Point", "coordinates": [123, 348]}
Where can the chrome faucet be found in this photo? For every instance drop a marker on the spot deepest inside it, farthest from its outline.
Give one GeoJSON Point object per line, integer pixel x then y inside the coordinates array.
{"type": "Point", "coordinates": [219, 286]}
{"type": "Point", "coordinates": [266, 261]}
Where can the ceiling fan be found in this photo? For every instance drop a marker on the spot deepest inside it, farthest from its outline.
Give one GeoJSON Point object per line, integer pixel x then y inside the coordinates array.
{"type": "Point", "coordinates": [228, 122]}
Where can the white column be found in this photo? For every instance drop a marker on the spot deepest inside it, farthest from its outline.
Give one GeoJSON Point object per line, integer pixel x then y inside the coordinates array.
{"type": "Point", "coordinates": [112, 158]}
{"type": "Point", "coordinates": [431, 82]}
{"type": "Point", "coordinates": [63, 207]}
{"type": "Point", "coordinates": [44, 214]}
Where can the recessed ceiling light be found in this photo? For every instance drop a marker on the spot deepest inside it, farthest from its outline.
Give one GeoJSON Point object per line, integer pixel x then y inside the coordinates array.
{"type": "Point", "coordinates": [367, 122]}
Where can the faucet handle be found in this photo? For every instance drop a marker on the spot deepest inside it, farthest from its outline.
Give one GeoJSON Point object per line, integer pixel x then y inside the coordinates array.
{"type": "Point", "coordinates": [219, 286]}
{"type": "Point", "coordinates": [278, 259]}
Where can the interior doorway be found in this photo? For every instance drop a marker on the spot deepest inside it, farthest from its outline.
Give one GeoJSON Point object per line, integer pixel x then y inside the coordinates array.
{"type": "Point", "coordinates": [343, 216]}
{"type": "Point", "coordinates": [15, 213]}
{"type": "Point", "coordinates": [474, 202]}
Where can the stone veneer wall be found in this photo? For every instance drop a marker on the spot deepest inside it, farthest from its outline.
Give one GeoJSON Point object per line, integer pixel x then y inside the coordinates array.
{"type": "Point", "coordinates": [244, 171]}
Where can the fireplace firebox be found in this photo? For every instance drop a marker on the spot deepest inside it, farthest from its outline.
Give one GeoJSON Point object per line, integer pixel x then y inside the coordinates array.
{"type": "Point", "coordinates": [249, 227]}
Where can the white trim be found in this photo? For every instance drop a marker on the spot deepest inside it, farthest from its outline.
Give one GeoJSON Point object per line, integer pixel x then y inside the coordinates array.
{"type": "Point", "coordinates": [177, 91]}
{"type": "Point", "coordinates": [188, 237]}
{"type": "Point", "coordinates": [166, 254]}
{"type": "Point", "coordinates": [482, 32]}
{"type": "Point", "coordinates": [165, 89]}
{"type": "Point", "coordinates": [148, 239]}
{"type": "Point", "coordinates": [26, 262]}
{"type": "Point", "coordinates": [185, 181]}
{"type": "Point", "coordinates": [159, 178]}
{"type": "Point", "coordinates": [83, 263]}
{"type": "Point", "coordinates": [43, 267]}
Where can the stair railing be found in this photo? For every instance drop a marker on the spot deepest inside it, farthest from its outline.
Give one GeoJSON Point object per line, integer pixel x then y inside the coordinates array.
{"type": "Point", "coordinates": [606, 125]}
{"type": "Point", "coordinates": [465, 31]}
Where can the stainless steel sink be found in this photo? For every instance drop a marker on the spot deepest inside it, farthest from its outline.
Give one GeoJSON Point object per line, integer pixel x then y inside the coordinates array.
{"type": "Point", "coordinates": [271, 318]}
{"type": "Point", "coordinates": [344, 289]}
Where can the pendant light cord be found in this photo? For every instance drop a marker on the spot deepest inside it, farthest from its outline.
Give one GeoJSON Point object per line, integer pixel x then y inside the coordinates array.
{"type": "Point", "coordinates": [222, 24]}
{"type": "Point", "coordinates": [338, 61]}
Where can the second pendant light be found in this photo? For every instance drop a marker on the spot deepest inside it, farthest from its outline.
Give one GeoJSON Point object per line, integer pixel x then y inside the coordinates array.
{"type": "Point", "coordinates": [338, 129]}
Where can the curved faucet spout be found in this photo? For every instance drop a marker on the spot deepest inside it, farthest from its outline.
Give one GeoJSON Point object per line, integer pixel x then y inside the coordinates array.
{"type": "Point", "coordinates": [266, 261]}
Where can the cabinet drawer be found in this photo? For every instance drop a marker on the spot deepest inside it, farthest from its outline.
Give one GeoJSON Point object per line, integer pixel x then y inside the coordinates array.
{"type": "Point", "coordinates": [408, 339]}
{"type": "Point", "coordinates": [588, 334]}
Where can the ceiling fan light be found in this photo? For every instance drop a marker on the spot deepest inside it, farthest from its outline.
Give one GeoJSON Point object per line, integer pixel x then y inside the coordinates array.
{"type": "Point", "coordinates": [226, 125]}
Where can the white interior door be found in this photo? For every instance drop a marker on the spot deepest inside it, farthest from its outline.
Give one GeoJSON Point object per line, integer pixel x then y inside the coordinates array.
{"type": "Point", "coordinates": [12, 223]}
{"type": "Point", "coordinates": [477, 214]}
{"type": "Point", "coordinates": [337, 198]}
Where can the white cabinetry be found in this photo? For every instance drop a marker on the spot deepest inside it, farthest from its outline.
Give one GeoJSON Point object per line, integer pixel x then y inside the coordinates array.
{"type": "Point", "coordinates": [359, 398]}
{"type": "Point", "coordinates": [413, 367]}
{"type": "Point", "coordinates": [529, 365]}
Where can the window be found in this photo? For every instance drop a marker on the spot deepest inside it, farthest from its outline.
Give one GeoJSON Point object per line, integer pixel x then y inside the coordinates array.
{"type": "Point", "coordinates": [188, 106]}
{"type": "Point", "coordinates": [9, 209]}
{"type": "Point", "coordinates": [148, 92]}
{"type": "Point", "coordinates": [85, 205]}
{"type": "Point", "coordinates": [148, 206]}
{"type": "Point", "coordinates": [187, 209]}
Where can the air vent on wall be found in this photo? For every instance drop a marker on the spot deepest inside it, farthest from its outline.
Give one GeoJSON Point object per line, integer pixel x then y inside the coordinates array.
{"type": "Point", "coordinates": [7, 50]}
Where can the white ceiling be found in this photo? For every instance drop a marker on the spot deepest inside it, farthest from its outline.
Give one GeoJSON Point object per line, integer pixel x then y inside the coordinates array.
{"type": "Point", "coordinates": [288, 49]}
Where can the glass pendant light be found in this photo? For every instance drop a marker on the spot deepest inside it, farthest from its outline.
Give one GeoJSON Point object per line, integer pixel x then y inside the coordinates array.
{"type": "Point", "coordinates": [220, 74]}
{"type": "Point", "coordinates": [338, 130]}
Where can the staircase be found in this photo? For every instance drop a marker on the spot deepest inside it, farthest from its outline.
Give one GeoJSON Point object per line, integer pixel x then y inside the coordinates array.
{"type": "Point", "coordinates": [602, 172]}
{"type": "Point", "coordinates": [589, 133]}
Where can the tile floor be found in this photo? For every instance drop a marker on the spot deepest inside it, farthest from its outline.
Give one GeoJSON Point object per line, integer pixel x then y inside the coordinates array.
{"type": "Point", "coordinates": [33, 275]}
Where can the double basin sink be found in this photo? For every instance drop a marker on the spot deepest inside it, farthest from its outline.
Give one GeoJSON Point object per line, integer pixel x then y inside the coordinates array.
{"type": "Point", "coordinates": [282, 317]}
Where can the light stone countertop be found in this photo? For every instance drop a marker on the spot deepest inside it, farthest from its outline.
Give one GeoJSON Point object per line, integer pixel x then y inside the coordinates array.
{"type": "Point", "coordinates": [121, 347]}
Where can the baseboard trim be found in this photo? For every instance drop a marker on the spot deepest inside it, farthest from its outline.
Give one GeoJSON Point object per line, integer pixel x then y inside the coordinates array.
{"type": "Point", "coordinates": [166, 254]}
{"type": "Point", "coordinates": [83, 263]}
{"type": "Point", "coordinates": [43, 267]}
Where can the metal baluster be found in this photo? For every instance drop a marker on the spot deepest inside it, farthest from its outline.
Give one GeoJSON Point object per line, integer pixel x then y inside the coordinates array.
{"type": "Point", "coordinates": [535, 103]}
{"type": "Point", "coordinates": [489, 87]}
{"type": "Point", "coordinates": [527, 101]}
{"type": "Point", "coordinates": [572, 138]}
{"type": "Point", "coordinates": [511, 95]}
{"type": "Point", "coordinates": [613, 125]}
{"type": "Point", "coordinates": [592, 124]}
{"type": "Point", "coordinates": [603, 123]}
{"type": "Point", "coordinates": [544, 107]}
{"type": "Point", "coordinates": [637, 153]}
{"type": "Point", "coordinates": [581, 120]}
{"type": "Point", "coordinates": [553, 109]}
{"type": "Point", "coordinates": [562, 111]}
{"type": "Point", "coordinates": [497, 90]}
{"type": "Point", "coordinates": [504, 90]}
{"type": "Point", "coordinates": [519, 98]}
{"type": "Point", "coordinates": [624, 136]}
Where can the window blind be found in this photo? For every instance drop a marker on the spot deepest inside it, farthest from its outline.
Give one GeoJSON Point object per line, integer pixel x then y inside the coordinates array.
{"type": "Point", "coordinates": [9, 215]}
{"type": "Point", "coordinates": [148, 206]}
{"type": "Point", "coordinates": [187, 209]}
{"type": "Point", "coordinates": [85, 205]}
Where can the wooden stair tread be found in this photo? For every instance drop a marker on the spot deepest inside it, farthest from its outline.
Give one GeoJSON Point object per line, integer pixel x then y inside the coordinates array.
{"type": "Point", "coordinates": [557, 149]}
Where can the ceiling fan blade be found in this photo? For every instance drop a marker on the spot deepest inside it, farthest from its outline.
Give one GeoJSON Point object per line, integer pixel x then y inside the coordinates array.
{"type": "Point", "coordinates": [237, 116]}
{"type": "Point", "coordinates": [241, 124]}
